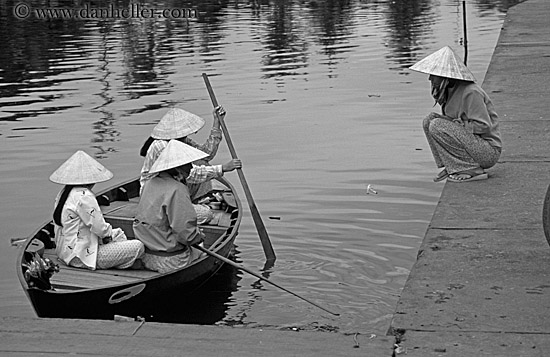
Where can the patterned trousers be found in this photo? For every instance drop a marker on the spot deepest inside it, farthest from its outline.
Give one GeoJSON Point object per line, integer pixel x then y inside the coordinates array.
{"type": "Point", "coordinates": [456, 149]}
{"type": "Point", "coordinates": [165, 264]}
{"type": "Point", "coordinates": [115, 255]}
{"type": "Point", "coordinates": [119, 255]}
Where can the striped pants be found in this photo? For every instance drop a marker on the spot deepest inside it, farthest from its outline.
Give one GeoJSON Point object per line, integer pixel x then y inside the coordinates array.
{"type": "Point", "coordinates": [456, 149]}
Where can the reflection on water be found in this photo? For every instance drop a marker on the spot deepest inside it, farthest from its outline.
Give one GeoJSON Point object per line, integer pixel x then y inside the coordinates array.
{"type": "Point", "coordinates": [320, 104]}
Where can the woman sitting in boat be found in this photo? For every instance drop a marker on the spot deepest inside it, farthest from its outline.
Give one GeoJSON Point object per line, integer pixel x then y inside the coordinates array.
{"type": "Point", "coordinates": [83, 238]}
{"type": "Point", "coordinates": [179, 124]}
{"type": "Point", "coordinates": [465, 139]}
{"type": "Point", "coordinates": [166, 221]}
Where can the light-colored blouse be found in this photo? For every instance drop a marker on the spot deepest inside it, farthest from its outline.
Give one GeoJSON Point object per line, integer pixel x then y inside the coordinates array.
{"type": "Point", "coordinates": [83, 227]}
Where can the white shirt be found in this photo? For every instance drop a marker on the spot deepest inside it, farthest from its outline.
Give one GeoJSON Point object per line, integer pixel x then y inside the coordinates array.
{"type": "Point", "coordinates": [83, 227]}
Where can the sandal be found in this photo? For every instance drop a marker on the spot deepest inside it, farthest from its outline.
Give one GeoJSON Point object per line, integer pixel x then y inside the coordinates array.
{"type": "Point", "coordinates": [474, 176]}
{"type": "Point", "coordinates": [442, 175]}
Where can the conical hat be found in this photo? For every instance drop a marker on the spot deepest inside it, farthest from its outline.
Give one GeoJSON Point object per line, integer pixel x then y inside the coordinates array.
{"type": "Point", "coordinates": [177, 123]}
{"type": "Point", "coordinates": [176, 154]}
{"type": "Point", "coordinates": [444, 63]}
{"type": "Point", "coordinates": [80, 169]}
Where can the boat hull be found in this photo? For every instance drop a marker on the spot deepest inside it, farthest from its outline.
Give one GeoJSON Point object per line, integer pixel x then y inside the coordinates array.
{"type": "Point", "coordinates": [127, 300]}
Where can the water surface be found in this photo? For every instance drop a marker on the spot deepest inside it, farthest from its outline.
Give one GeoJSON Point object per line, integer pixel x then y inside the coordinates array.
{"type": "Point", "coordinates": [320, 104]}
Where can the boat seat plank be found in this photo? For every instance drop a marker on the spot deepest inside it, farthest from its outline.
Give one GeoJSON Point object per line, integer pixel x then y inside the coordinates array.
{"type": "Point", "coordinates": [122, 216]}
{"type": "Point", "coordinates": [84, 278]}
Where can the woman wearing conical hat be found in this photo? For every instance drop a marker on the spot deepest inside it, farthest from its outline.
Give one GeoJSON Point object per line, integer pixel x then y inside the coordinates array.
{"type": "Point", "coordinates": [465, 138]}
{"type": "Point", "coordinates": [166, 221]}
{"type": "Point", "coordinates": [83, 238]}
{"type": "Point", "coordinates": [179, 124]}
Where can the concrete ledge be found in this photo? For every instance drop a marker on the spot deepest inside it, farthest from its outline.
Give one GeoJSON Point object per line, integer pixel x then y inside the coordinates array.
{"type": "Point", "coordinates": [511, 199]}
{"type": "Point", "coordinates": [30, 337]}
{"type": "Point", "coordinates": [474, 343]}
{"type": "Point", "coordinates": [467, 280]}
{"type": "Point", "coordinates": [523, 140]}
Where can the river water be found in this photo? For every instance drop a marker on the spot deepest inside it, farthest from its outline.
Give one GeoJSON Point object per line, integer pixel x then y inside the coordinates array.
{"type": "Point", "coordinates": [320, 105]}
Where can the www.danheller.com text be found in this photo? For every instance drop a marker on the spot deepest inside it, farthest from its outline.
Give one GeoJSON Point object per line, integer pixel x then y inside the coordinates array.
{"type": "Point", "coordinates": [86, 11]}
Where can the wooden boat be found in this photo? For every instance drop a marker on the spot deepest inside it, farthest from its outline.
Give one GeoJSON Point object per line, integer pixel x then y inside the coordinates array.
{"type": "Point", "coordinates": [101, 294]}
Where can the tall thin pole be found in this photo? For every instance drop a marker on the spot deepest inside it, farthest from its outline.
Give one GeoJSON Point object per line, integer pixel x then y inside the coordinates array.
{"type": "Point", "coordinates": [465, 32]}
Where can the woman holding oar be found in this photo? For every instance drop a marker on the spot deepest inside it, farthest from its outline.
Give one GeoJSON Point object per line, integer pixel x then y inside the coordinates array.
{"type": "Point", "coordinates": [465, 139]}
{"type": "Point", "coordinates": [179, 124]}
{"type": "Point", "coordinates": [166, 221]}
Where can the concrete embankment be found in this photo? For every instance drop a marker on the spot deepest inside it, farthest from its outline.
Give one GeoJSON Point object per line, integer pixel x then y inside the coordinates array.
{"type": "Point", "coordinates": [481, 282]}
{"type": "Point", "coordinates": [54, 337]}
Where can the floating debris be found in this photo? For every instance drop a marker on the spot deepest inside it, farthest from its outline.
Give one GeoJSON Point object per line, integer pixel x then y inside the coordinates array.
{"type": "Point", "coordinates": [399, 349]}
{"type": "Point", "coordinates": [17, 241]}
{"type": "Point", "coordinates": [141, 322]}
{"type": "Point", "coordinates": [121, 318]}
{"type": "Point", "coordinates": [371, 190]}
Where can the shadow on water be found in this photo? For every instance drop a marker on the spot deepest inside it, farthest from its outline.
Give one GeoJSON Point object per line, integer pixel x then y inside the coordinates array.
{"type": "Point", "coordinates": [208, 304]}
{"type": "Point", "coordinates": [205, 306]}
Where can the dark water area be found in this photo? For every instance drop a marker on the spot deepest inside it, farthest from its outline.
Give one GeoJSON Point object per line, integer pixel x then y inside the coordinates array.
{"type": "Point", "coordinates": [320, 105]}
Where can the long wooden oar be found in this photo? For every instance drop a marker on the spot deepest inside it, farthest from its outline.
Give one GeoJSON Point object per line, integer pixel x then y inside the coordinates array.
{"type": "Point", "coordinates": [238, 266]}
{"type": "Point", "coordinates": [260, 227]}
